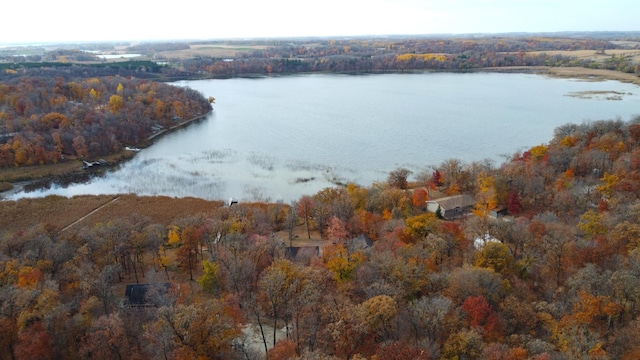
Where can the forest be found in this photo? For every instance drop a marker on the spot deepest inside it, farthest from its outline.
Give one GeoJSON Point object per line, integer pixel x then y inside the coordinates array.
{"type": "Point", "coordinates": [44, 120]}
{"type": "Point", "coordinates": [544, 266]}
{"type": "Point", "coordinates": [556, 278]}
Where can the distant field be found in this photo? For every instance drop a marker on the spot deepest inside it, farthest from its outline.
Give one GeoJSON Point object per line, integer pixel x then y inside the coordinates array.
{"type": "Point", "coordinates": [211, 50]}
{"type": "Point", "coordinates": [627, 44]}
{"type": "Point", "coordinates": [593, 54]}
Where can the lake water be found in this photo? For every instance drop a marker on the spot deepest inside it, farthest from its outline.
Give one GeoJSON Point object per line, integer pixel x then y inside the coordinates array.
{"type": "Point", "coordinates": [279, 138]}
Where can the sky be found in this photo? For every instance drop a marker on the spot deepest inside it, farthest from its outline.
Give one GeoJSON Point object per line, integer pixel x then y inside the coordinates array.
{"type": "Point", "coordinates": [44, 21]}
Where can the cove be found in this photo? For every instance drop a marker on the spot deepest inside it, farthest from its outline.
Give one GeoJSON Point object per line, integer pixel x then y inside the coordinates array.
{"type": "Point", "coordinates": [278, 138]}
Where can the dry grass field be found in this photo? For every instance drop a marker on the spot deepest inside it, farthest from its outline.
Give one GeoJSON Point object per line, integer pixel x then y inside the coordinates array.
{"type": "Point", "coordinates": [210, 50]}
{"type": "Point", "coordinates": [61, 211]}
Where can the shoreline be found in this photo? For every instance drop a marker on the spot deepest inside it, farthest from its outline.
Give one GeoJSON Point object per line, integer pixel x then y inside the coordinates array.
{"type": "Point", "coordinates": [46, 175]}
{"type": "Point", "coordinates": [570, 73]}
{"type": "Point", "coordinates": [179, 125]}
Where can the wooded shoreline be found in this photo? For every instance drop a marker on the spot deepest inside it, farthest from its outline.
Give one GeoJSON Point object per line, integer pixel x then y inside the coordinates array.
{"type": "Point", "coordinates": [42, 176]}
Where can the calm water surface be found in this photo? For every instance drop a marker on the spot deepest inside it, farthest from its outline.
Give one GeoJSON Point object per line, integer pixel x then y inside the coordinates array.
{"type": "Point", "coordinates": [283, 137]}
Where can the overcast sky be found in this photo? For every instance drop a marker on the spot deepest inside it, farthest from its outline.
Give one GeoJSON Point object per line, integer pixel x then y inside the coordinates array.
{"type": "Point", "coordinates": [132, 20]}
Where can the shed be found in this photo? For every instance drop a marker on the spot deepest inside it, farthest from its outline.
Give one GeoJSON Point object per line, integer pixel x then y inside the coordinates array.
{"type": "Point", "coordinates": [451, 207]}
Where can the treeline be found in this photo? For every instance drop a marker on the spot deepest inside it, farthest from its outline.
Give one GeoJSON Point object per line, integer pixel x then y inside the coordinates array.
{"type": "Point", "coordinates": [559, 278]}
{"type": "Point", "coordinates": [322, 55]}
{"type": "Point", "coordinates": [451, 54]}
{"type": "Point", "coordinates": [151, 48]}
{"type": "Point", "coordinates": [46, 119]}
{"type": "Point", "coordinates": [70, 71]}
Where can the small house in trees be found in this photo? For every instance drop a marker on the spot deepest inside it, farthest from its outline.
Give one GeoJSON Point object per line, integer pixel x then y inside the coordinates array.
{"type": "Point", "coordinates": [499, 212]}
{"type": "Point", "coordinates": [481, 241]}
{"type": "Point", "coordinates": [362, 242]}
{"type": "Point", "coordinates": [296, 252]}
{"type": "Point", "coordinates": [451, 207]}
{"type": "Point", "coordinates": [143, 295]}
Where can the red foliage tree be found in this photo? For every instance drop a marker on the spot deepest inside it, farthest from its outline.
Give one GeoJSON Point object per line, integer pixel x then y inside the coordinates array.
{"type": "Point", "coordinates": [400, 350]}
{"type": "Point", "coordinates": [35, 342]}
{"type": "Point", "coordinates": [284, 349]}
{"type": "Point", "coordinates": [437, 178]}
{"type": "Point", "coordinates": [419, 197]}
{"type": "Point", "coordinates": [481, 315]}
{"type": "Point", "coordinates": [514, 206]}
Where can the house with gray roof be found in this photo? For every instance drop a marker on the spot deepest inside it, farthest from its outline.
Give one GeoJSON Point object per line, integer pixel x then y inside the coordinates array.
{"type": "Point", "coordinates": [451, 207]}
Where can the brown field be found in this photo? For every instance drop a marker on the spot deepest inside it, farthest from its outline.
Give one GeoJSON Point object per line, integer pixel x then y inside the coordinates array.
{"type": "Point", "coordinates": [62, 212]}
{"type": "Point", "coordinates": [211, 50]}
{"type": "Point", "coordinates": [78, 211]}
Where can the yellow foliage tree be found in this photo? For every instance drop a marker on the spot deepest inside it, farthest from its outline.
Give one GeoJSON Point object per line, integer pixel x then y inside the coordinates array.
{"type": "Point", "coordinates": [209, 278]}
{"type": "Point", "coordinates": [173, 236]}
{"type": "Point", "coordinates": [590, 308]}
{"type": "Point", "coordinates": [378, 311]}
{"type": "Point", "coordinates": [358, 195]}
{"type": "Point", "coordinates": [494, 255]}
{"type": "Point", "coordinates": [115, 103]}
{"type": "Point", "coordinates": [539, 151]}
{"type": "Point", "coordinates": [94, 94]}
{"type": "Point", "coordinates": [591, 223]}
{"type": "Point", "coordinates": [341, 263]}
{"type": "Point", "coordinates": [419, 226]}
{"type": "Point", "coordinates": [609, 183]}
{"type": "Point", "coordinates": [425, 57]}
{"type": "Point", "coordinates": [486, 196]}
{"type": "Point", "coordinates": [569, 141]}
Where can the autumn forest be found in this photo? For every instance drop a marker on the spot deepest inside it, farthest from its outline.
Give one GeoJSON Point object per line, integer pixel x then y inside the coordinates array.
{"type": "Point", "coordinates": [545, 264]}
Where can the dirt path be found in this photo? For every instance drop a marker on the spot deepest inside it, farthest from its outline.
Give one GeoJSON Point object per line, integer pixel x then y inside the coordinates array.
{"type": "Point", "coordinates": [89, 214]}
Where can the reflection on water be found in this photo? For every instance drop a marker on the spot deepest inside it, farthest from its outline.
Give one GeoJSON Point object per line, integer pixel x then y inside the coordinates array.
{"type": "Point", "coordinates": [279, 138]}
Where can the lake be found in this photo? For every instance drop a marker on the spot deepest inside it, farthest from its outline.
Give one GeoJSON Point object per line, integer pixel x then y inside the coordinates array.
{"type": "Point", "coordinates": [278, 138]}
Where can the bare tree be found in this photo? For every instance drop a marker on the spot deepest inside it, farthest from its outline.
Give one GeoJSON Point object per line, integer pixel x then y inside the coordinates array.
{"type": "Point", "coordinates": [398, 178]}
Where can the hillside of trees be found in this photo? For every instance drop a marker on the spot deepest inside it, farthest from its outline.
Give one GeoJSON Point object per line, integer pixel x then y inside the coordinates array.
{"type": "Point", "coordinates": [46, 119]}
{"type": "Point", "coordinates": [558, 278]}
